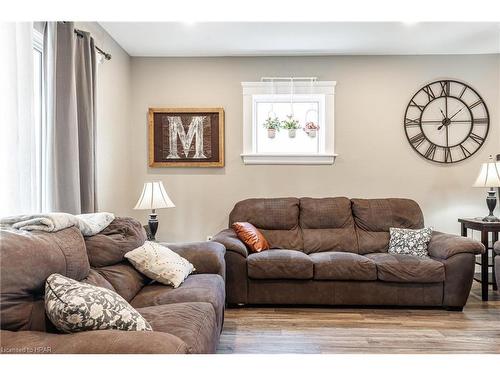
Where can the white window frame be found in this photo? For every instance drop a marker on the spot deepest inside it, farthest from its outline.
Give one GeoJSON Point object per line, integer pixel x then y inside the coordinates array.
{"type": "Point", "coordinates": [321, 91]}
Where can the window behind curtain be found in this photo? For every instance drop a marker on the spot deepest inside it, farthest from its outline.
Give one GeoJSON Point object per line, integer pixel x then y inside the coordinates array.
{"type": "Point", "coordinates": [20, 118]}
{"type": "Point", "coordinates": [37, 112]}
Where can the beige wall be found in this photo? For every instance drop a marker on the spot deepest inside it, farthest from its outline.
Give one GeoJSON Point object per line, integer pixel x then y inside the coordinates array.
{"type": "Point", "coordinates": [375, 160]}
{"type": "Point", "coordinates": [113, 138]}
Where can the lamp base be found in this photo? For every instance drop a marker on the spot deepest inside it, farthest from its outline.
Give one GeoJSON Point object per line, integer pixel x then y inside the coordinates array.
{"type": "Point", "coordinates": [491, 201]}
{"type": "Point", "coordinates": [491, 219]}
{"type": "Point", "coordinates": [153, 225]}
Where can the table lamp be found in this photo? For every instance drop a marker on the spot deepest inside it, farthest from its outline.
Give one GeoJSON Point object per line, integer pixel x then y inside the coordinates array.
{"type": "Point", "coordinates": [489, 176]}
{"type": "Point", "coordinates": [153, 196]}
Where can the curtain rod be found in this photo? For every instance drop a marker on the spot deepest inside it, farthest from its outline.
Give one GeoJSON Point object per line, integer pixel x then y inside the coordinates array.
{"type": "Point", "coordinates": [106, 55]}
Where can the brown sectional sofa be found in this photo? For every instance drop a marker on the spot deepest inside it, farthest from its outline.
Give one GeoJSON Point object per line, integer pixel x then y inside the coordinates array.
{"type": "Point", "coordinates": [185, 320]}
{"type": "Point", "coordinates": [333, 251]}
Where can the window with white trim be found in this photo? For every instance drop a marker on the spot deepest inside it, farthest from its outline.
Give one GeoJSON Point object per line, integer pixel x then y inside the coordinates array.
{"type": "Point", "coordinates": [288, 121]}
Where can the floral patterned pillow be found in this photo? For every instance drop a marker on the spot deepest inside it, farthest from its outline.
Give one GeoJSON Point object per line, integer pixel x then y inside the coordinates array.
{"type": "Point", "coordinates": [410, 241]}
{"type": "Point", "coordinates": [73, 307]}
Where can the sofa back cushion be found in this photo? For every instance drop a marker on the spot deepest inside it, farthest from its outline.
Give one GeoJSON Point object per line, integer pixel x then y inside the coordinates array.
{"type": "Point", "coordinates": [374, 217]}
{"type": "Point", "coordinates": [276, 218]}
{"type": "Point", "coordinates": [327, 225]}
{"type": "Point", "coordinates": [96, 279]}
{"type": "Point", "coordinates": [26, 260]}
{"type": "Point", "coordinates": [124, 279]}
{"type": "Point", "coordinates": [108, 247]}
{"type": "Point", "coordinates": [106, 252]}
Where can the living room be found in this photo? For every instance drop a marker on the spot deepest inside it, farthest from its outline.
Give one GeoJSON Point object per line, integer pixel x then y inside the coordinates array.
{"type": "Point", "coordinates": [246, 184]}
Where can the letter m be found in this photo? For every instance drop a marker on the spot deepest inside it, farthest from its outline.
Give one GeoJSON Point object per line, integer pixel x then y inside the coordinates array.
{"type": "Point", "coordinates": [177, 132]}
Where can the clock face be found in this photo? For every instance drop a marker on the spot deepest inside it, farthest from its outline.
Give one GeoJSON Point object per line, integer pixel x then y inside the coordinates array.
{"type": "Point", "coordinates": [446, 121]}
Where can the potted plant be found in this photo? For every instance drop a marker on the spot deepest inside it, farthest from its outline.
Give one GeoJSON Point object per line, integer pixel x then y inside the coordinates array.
{"type": "Point", "coordinates": [291, 125]}
{"type": "Point", "coordinates": [311, 128]}
{"type": "Point", "coordinates": [272, 124]}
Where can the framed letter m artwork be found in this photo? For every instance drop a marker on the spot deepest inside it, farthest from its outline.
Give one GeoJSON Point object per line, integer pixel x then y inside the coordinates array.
{"type": "Point", "coordinates": [186, 137]}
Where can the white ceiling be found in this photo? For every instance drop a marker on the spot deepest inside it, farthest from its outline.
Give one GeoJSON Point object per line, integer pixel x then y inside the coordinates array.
{"type": "Point", "coordinates": [306, 38]}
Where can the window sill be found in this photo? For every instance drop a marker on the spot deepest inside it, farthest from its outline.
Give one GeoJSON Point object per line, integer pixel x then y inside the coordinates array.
{"type": "Point", "coordinates": [298, 159]}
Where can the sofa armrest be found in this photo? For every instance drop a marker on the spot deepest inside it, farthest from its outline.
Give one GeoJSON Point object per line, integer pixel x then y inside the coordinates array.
{"type": "Point", "coordinates": [91, 342]}
{"type": "Point", "coordinates": [230, 240]}
{"type": "Point", "coordinates": [444, 246]}
{"type": "Point", "coordinates": [496, 247]}
{"type": "Point", "coordinates": [206, 257]}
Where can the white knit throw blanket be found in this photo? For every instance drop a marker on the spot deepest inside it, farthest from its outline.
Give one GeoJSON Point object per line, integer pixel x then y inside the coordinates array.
{"type": "Point", "coordinates": [89, 224]}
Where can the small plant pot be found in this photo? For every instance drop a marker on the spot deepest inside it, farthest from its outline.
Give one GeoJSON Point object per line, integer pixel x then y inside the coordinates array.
{"type": "Point", "coordinates": [292, 133]}
{"type": "Point", "coordinates": [271, 133]}
{"type": "Point", "coordinates": [312, 133]}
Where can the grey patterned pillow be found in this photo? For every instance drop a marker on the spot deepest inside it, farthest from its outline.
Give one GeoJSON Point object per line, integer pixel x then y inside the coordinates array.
{"type": "Point", "coordinates": [410, 241]}
{"type": "Point", "coordinates": [73, 307]}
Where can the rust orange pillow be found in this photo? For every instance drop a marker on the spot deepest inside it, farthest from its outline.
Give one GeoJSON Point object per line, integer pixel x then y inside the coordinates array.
{"type": "Point", "coordinates": [250, 236]}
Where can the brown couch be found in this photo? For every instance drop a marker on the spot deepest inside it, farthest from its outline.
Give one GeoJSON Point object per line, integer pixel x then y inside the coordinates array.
{"type": "Point", "coordinates": [496, 249]}
{"type": "Point", "coordinates": [333, 251]}
{"type": "Point", "coordinates": [185, 320]}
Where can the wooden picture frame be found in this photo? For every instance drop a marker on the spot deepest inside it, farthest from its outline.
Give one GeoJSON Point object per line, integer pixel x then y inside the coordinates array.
{"type": "Point", "coordinates": [186, 137]}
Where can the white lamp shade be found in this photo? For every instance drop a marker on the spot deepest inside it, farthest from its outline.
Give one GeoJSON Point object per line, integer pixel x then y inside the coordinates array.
{"type": "Point", "coordinates": [489, 175]}
{"type": "Point", "coordinates": [153, 196]}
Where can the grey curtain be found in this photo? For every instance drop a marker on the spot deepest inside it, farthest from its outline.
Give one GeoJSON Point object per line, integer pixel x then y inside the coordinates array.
{"type": "Point", "coordinates": [69, 181]}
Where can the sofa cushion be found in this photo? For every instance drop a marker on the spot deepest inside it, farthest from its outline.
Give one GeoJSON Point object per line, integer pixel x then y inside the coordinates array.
{"type": "Point", "coordinates": [343, 266]}
{"type": "Point", "coordinates": [276, 218]}
{"type": "Point", "coordinates": [327, 225]}
{"type": "Point", "coordinates": [96, 279]}
{"type": "Point", "coordinates": [124, 278]}
{"type": "Point", "coordinates": [26, 260]}
{"type": "Point", "coordinates": [194, 323]}
{"type": "Point", "coordinates": [407, 268]}
{"type": "Point", "coordinates": [374, 217]}
{"type": "Point", "coordinates": [284, 239]}
{"type": "Point", "coordinates": [73, 306]}
{"type": "Point", "coordinates": [280, 264]}
{"type": "Point", "coordinates": [267, 213]}
{"type": "Point", "coordinates": [108, 247]}
{"type": "Point", "coordinates": [92, 342]}
{"type": "Point", "coordinates": [196, 288]}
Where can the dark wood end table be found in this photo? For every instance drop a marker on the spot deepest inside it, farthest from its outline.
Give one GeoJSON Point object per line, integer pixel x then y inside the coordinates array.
{"type": "Point", "coordinates": [486, 261]}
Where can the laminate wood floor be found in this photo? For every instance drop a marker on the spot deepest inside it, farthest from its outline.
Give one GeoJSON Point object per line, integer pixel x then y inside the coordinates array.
{"type": "Point", "coordinates": [262, 330]}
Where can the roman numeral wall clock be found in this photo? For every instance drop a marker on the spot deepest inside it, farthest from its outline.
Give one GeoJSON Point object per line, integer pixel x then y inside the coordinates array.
{"type": "Point", "coordinates": [446, 121]}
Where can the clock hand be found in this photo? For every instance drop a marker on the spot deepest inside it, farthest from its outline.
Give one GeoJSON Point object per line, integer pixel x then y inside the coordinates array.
{"type": "Point", "coordinates": [431, 121]}
{"type": "Point", "coordinates": [449, 120]}
{"type": "Point", "coordinates": [456, 113]}
{"type": "Point", "coordinates": [440, 110]}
